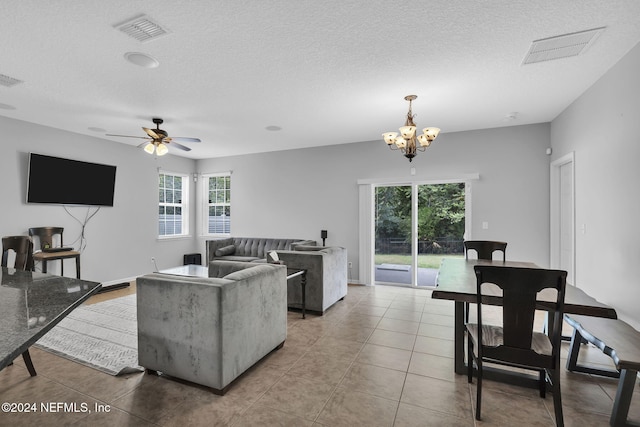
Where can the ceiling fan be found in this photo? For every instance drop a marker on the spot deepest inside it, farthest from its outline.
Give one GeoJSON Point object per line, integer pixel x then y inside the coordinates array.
{"type": "Point", "coordinates": [158, 139]}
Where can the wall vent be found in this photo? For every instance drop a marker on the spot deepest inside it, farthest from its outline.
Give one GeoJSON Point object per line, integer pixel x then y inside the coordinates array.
{"type": "Point", "coordinates": [8, 81]}
{"type": "Point", "coordinates": [142, 28]}
{"type": "Point", "coordinates": [563, 46]}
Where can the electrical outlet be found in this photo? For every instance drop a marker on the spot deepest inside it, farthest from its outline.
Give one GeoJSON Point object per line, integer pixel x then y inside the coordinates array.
{"type": "Point", "coordinates": [350, 264]}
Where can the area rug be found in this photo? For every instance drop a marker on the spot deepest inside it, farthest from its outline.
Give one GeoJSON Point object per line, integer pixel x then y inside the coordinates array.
{"type": "Point", "coordinates": [103, 336]}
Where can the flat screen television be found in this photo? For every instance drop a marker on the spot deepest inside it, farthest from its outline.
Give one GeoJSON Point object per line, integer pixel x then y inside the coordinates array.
{"type": "Point", "coordinates": [54, 180]}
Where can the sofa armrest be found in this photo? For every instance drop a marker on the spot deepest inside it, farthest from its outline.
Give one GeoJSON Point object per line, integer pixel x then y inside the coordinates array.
{"type": "Point", "coordinates": [213, 245]}
{"type": "Point", "coordinates": [307, 243]}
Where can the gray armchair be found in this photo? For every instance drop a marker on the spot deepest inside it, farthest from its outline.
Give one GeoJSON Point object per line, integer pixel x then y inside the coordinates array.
{"type": "Point", "coordinates": [326, 276]}
{"type": "Point", "coordinates": [211, 330]}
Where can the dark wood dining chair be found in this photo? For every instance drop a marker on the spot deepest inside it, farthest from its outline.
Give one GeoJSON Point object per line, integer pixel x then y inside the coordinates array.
{"type": "Point", "coordinates": [48, 237]}
{"type": "Point", "coordinates": [515, 343]}
{"type": "Point", "coordinates": [23, 248]}
{"type": "Point", "coordinates": [485, 248]}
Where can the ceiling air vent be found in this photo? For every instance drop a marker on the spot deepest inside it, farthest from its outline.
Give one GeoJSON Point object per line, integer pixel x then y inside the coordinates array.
{"type": "Point", "coordinates": [142, 29]}
{"type": "Point", "coordinates": [8, 81]}
{"type": "Point", "coordinates": [563, 46]}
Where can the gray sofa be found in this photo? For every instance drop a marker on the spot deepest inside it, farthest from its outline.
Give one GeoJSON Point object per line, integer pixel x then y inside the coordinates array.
{"type": "Point", "coordinates": [326, 276]}
{"type": "Point", "coordinates": [248, 249]}
{"type": "Point", "coordinates": [211, 330]}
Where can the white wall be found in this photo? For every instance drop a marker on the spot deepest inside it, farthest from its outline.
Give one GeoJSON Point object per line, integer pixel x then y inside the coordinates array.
{"type": "Point", "coordinates": [120, 240]}
{"type": "Point", "coordinates": [293, 193]}
{"type": "Point", "coordinates": [602, 127]}
{"type": "Point", "coordinates": [297, 193]}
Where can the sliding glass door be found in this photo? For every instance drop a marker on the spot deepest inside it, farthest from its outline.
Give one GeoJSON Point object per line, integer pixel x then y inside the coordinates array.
{"type": "Point", "coordinates": [393, 225]}
{"type": "Point", "coordinates": [415, 227]}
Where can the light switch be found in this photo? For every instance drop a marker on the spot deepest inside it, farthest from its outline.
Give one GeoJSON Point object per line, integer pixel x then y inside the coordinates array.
{"type": "Point", "coordinates": [485, 225]}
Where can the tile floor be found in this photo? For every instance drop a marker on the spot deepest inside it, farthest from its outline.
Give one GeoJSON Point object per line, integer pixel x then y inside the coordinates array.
{"type": "Point", "coordinates": [381, 357]}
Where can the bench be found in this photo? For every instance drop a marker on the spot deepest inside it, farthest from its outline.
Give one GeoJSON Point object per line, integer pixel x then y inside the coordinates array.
{"type": "Point", "coordinates": [621, 343]}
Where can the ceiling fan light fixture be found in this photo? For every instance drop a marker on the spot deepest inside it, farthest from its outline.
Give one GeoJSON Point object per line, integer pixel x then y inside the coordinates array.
{"type": "Point", "coordinates": [149, 148]}
{"type": "Point", "coordinates": [161, 149]}
{"type": "Point", "coordinates": [157, 140]}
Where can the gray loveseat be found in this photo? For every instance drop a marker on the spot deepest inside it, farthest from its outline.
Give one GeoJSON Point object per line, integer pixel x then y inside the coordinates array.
{"type": "Point", "coordinates": [249, 249]}
{"type": "Point", "coordinates": [326, 276]}
{"type": "Point", "coordinates": [211, 330]}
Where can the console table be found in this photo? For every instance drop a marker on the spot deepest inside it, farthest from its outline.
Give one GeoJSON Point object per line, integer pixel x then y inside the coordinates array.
{"type": "Point", "coordinates": [31, 304]}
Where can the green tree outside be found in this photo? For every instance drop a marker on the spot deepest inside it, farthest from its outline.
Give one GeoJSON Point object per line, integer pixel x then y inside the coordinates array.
{"type": "Point", "coordinates": [441, 216]}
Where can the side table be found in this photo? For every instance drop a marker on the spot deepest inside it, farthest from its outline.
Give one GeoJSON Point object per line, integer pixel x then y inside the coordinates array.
{"type": "Point", "coordinates": [295, 272]}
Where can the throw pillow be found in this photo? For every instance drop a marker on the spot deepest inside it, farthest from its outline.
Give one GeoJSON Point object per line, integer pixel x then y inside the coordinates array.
{"type": "Point", "coordinates": [225, 250]}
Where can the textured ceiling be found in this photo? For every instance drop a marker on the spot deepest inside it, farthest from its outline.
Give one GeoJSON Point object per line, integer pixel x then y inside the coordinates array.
{"type": "Point", "coordinates": [325, 72]}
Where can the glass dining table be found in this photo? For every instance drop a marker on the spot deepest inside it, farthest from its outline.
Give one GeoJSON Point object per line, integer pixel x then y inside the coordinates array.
{"type": "Point", "coordinates": [31, 304]}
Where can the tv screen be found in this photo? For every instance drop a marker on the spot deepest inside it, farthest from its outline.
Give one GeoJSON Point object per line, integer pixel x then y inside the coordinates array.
{"type": "Point", "coordinates": [55, 180]}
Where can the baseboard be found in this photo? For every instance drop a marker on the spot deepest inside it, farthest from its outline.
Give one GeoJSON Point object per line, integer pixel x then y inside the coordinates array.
{"type": "Point", "coordinates": [114, 287]}
{"type": "Point", "coordinates": [116, 284]}
{"type": "Point", "coordinates": [357, 283]}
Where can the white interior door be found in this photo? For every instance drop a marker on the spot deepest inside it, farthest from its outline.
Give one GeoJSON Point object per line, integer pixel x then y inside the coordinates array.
{"type": "Point", "coordinates": [563, 216]}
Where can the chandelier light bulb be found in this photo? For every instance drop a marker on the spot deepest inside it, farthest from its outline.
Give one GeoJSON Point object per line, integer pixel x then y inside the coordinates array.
{"type": "Point", "coordinates": [390, 137]}
{"type": "Point", "coordinates": [431, 133]}
{"type": "Point", "coordinates": [408, 132]}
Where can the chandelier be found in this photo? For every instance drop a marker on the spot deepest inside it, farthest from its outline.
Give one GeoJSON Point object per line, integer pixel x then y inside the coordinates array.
{"type": "Point", "coordinates": [408, 142]}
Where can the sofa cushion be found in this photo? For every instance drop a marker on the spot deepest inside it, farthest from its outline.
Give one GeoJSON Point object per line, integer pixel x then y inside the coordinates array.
{"type": "Point", "coordinates": [238, 258]}
{"type": "Point", "coordinates": [248, 248]}
{"type": "Point", "coordinates": [226, 250]}
{"type": "Point", "coordinates": [221, 269]}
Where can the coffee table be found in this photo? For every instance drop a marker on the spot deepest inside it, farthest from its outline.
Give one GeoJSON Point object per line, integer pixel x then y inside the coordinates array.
{"type": "Point", "coordinates": [31, 305]}
{"type": "Point", "coordinates": [194, 270]}
{"type": "Point", "coordinates": [191, 270]}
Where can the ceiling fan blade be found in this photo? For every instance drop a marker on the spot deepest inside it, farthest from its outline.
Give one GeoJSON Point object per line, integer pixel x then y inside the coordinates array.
{"type": "Point", "coordinates": [144, 143]}
{"type": "Point", "coordinates": [180, 146]}
{"type": "Point", "coordinates": [151, 133]}
{"type": "Point", "coordinates": [183, 139]}
{"type": "Point", "coordinates": [128, 136]}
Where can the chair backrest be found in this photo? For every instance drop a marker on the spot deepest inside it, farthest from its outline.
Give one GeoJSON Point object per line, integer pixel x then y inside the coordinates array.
{"type": "Point", "coordinates": [485, 248]}
{"type": "Point", "coordinates": [23, 248]}
{"type": "Point", "coordinates": [520, 288]}
{"type": "Point", "coordinates": [46, 235]}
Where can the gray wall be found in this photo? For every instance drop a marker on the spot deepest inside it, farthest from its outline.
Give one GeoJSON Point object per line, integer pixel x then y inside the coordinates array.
{"type": "Point", "coordinates": [297, 193]}
{"type": "Point", "coordinates": [120, 240]}
{"type": "Point", "coordinates": [602, 128]}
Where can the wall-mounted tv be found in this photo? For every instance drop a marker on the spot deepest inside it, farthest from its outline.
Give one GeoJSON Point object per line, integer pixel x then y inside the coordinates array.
{"type": "Point", "coordinates": [54, 180]}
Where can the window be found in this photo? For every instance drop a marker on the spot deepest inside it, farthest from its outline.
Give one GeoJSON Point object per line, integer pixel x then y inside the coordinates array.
{"type": "Point", "coordinates": [218, 206]}
{"type": "Point", "coordinates": [173, 212]}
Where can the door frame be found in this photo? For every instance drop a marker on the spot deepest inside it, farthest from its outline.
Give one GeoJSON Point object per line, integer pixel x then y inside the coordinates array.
{"type": "Point", "coordinates": [366, 238]}
{"type": "Point", "coordinates": [554, 207]}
